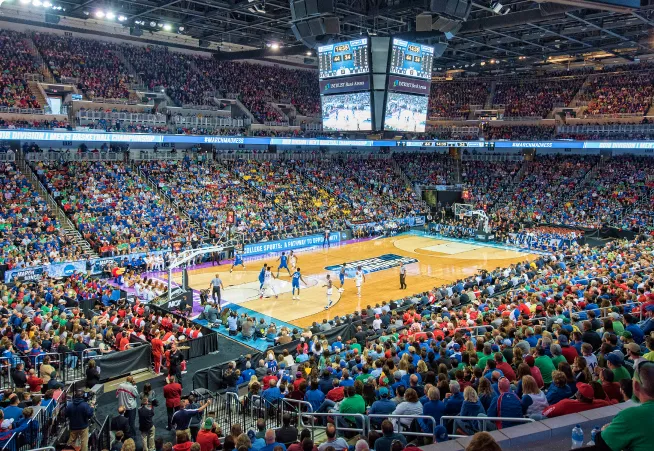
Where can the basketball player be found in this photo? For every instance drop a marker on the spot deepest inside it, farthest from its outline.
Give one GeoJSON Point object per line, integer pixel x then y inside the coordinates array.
{"type": "Point", "coordinates": [297, 277]}
{"type": "Point", "coordinates": [238, 260]}
{"type": "Point", "coordinates": [262, 274]}
{"type": "Point", "coordinates": [341, 277]}
{"type": "Point", "coordinates": [268, 283]}
{"type": "Point", "coordinates": [325, 239]}
{"type": "Point", "coordinates": [330, 291]}
{"type": "Point", "coordinates": [293, 259]}
{"type": "Point", "coordinates": [283, 263]}
{"type": "Point", "coordinates": [359, 278]}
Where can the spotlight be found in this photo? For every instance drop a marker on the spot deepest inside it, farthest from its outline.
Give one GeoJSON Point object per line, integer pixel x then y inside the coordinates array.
{"type": "Point", "coordinates": [483, 63]}
{"type": "Point", "coordinates": [160, 25]}
{"type": "Point", "coordinates": [153, 24]}
{"type": "Point", "coordinates": [47, 4]}
{"type": "Point", "coordinates": [122, 18]}
{"type": "Point", "coordinates": [37, 2]}
{"type": "Point", "coordinates": [167, 27]}
{"type": "Point", "coordinates": [99, 14]}
{"type": "Point", "coordinates": [25, 2]}
{"type": "Point", "coordinates": [274, 46]}
{"type": "Point", "coordinates": [309, 53]}
{"type": "Point", "coordinates": [111, 15]}
{"type": "Point", "coordinates": [181, 28]}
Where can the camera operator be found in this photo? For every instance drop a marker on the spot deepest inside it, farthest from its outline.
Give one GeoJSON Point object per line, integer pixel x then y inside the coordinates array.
{"type": "Point", "coordinates": [79, 413]}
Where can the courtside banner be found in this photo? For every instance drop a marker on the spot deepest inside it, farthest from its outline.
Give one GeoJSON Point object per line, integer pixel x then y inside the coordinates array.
{"type": "Point", "coordinates": [287, 245]}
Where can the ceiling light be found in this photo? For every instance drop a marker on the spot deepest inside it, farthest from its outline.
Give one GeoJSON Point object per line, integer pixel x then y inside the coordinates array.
{"type": "Point", "coordinates": [160, 25]}
{"type": "Point", "coordinates": [99, 14]}
{"type": "Point", "coordinates": [110, 15]}
{"type": "Point", "coordinates": [181, 28]}
{"type": "Point", "coordinates": [167, 27]}
{"type": "Point", "coordinates": [122, 18]}
{"type": "Point", "coordinates": [483, 63]}
{"type": "Point", "coordinates": [309, 53]}
{"type": "Point", "coordinates": [36, 2]}
{"type": "Point", "coordinates": [47, 4]}
{"type": "Point", "coordinates": [153, 24]}
{"type": "Point", "coordinates": [274, 46]}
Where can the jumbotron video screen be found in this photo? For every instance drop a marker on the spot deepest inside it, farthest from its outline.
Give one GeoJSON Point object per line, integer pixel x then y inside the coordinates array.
{"type": "Point", "coordinates": [405, 112]}
{"type": "Point", "coordinates": [347, 112]}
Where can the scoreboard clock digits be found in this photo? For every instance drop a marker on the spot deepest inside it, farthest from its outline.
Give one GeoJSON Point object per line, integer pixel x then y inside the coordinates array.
{"type": "Point", "coordinates": [343, 59]}
{"type": "Point", "coordinates": [411, 59]}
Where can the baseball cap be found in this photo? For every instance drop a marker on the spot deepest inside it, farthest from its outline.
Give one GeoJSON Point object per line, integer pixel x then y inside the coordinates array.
{"type": "Point", "coordinates": [563, 340]}
{"type": "Point", "coordinates": [529, 360]}
{"type": "Point", "coordinates": [383, 391]}
{"type": "Point", "coordinates": [6, 423]}
{"type": "Point", "coordinates": [507, 342]}
{"type": "Point", "coordinates": [456, 346]}
{"type": "Point", "coordinates": [208, 423]}
{"type": "Point", "coordinates": [586, 390]}
{"type": "Point", "coordinates": [614, 359]}
{"type": "Point", "coordinates": [495, 348]}
{"type": "Point", "coordinates": [633, 347]}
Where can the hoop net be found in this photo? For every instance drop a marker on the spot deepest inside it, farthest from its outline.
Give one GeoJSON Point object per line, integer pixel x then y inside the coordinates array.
{"type": "Point", "coordinates": [460, 210]}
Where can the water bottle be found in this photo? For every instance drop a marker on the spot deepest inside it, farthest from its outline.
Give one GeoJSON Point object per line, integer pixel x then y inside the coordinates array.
{"type": "Point", "coordinates": [577, 437]}
{"type": "Point", "coordinates": [596, 429]}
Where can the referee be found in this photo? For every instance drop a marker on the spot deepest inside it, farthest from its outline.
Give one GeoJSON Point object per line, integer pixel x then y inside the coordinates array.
{"type": "Point", "coordinates": [216, 284]}
{"type": "Point", "coordinates": [402, 276]}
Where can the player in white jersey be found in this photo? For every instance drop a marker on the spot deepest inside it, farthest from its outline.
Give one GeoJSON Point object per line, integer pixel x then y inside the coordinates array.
{"type": "Point", "coordinates": [359, 278]}
{"type": "Point", "coordinates": [330, 291]}
{"type": "Point", "coordinates": [268, 283]}
{"type": "Point", "coordinates": [293, 259]}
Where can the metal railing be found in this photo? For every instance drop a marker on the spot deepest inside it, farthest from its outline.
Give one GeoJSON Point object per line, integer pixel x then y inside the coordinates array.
{"type": "Point", "coordinates": [8, 156]}
{"type": "Point", "coordinates": [5, 109]}
{"type": "Point", "coordinates": [398, 424]}
{"type": "Point", "coordinates": [483, 421]}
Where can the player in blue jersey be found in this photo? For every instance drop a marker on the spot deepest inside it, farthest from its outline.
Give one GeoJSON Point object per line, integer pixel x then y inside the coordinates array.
{"type": "Point", "coordinates": [262, 276]}
{"type": "Point", "coordinates": [283, 263]}
{"type": "Point", "coordinates": [297, 277]}
{"type": "Point", "coordinates": [238, 260]}
{"type": "Point", "coordinates": [341, 277]}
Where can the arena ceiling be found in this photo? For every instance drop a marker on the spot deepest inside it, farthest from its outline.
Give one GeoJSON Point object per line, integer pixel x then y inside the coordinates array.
{"type": "Point", "coordinates": [517, 34]}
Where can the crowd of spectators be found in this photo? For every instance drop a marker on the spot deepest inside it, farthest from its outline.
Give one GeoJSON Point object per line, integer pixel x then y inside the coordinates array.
{"type": "Point", "coordinates": [519, 132]}
{"type": "Point", "coordinates": [30, 234]}
{"type": "Point", "coordinates": [628, 92]}
{"type": "Point", "coordinates": [427, 169]}
{"type": "Point", "coordinates": [536, 98]}
{"type": "Point", "coordinates": [17, 60]}
{"type": "Point", "coordinates": [96, 66]}
{"type": "Point", "coordinates": [116, 211]}
{"type": "Point", "coordinates": [453, 99]}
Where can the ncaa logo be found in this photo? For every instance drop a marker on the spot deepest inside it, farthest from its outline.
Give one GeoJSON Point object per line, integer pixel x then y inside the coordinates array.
{"type": "Point", "coordinates": [396, 83]}
{"type": "Point", "coordinates": [327, 86]}
{"type": "Point", "coordinates": [69, 270]}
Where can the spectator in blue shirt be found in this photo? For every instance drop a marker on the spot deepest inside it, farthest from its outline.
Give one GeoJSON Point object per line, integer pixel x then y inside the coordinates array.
{"type": "Point", "coordinates": [383, 406]}
{"type": "Point", "coordinates": [272, 394]}
{"type": "Point", "coordinates": [314, 396]}
{"type": "Point", "coordinates": [271, 444]}
{"type": "Point", "coordinates": [507, 404]}
{"type": "Point", "coordinates": [632, 326]}
{"type": "Point", "coordinates": [434, 408]}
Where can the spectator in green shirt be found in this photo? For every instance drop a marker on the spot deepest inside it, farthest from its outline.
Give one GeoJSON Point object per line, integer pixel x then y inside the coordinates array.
{"type": "Point", "coordinates": [352, 403]}
{"type": "Point", "coordinates": [355, 345]}
{"type": "Point", "coordinates": [615, 363]}
{"type": "Point", "coordinates": [485, 357]}
{"type": "Point", "coordinates": [545, 365]}
{"type": "Point", "coordinates": [557, 356]}
{"type": "Point", "coordinates": [632, 428]}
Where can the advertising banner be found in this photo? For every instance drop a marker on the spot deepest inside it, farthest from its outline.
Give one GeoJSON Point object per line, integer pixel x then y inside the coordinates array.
{"type": "Point", "coordinates": [350, 84]}
{"type": "Point", "coordinates": [287, 245]}
{"type": "Point", "coordinates": [404, 84]}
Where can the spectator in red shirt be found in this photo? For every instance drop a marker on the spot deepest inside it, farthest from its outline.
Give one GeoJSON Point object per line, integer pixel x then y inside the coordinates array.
{"type": "Point", "coordinates": [172, 392]}
{"type": "Point", "coordinates": [611, 388]}
{"type": "Point", "coordinates": [207, 437]}
{"type": "Point", "coordinates": [535, 372]}
{"type": "Point", "coordinates": [34, 382]}
{"type": "Point", "coordinates": [585, 401]}
{"type": "Point", "coordinates": [504, 367]}
{"type": "Point", "coordinates": [567, 351]}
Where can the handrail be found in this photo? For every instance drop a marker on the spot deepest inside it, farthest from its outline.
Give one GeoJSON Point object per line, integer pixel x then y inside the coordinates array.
{"type": "Point", "coordinates": [299, 403]}
{"type": "Point", "coordinates": [335, 415]}
{"type": "Point", "coordinates": [483, 420]}
{"type": "Point", "coordinates": [398, 423]}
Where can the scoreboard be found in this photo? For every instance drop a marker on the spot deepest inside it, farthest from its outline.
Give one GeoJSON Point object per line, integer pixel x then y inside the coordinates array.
{"type": "Point", "coordinates": [411, 59]}
{"type": "Point", "coordinates": [343, 59]}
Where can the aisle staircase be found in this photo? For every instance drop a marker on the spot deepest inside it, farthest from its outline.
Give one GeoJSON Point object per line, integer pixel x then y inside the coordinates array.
{"type": "Point", "coordinates": [576, 100]}
{"type": "Point", "coordinates": [38, 92]}
{"type": "Point", "coordinates": [489, 100]}
{"type": "Point", "coordinates": [45, 70]}
{"type": "Point", "coordinates": [68, 227]}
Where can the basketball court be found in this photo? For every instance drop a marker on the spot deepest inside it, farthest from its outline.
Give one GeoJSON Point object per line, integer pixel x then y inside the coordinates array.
{"type": "Point", "coordinates": [430, 262]}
